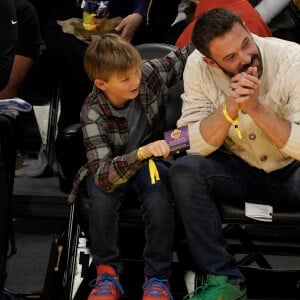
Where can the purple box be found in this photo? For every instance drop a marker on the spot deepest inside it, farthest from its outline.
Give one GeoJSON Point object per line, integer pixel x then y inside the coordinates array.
{"type": "Point", "coordinates": [178, 139]}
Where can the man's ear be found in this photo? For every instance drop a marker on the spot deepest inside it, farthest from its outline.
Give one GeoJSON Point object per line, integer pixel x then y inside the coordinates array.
{"type": "Point", "coordinates": [210, 62]}
{"type": "Point", "coordinates": [246, 27]}
{"type": "Point", "coordinates": [100, 84]}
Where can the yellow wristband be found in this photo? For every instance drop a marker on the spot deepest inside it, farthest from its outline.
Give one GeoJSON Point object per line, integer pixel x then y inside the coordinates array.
{"type": "Point", "coordinates": [140, 154]}
{"type": "Point", "coordinates": [234, 122]}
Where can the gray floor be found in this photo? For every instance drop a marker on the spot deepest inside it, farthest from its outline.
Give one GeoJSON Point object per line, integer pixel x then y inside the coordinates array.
{"type": "Point", "coordinates": [40, 211]}
{"type": "Point", "coordinates": [27, 268]}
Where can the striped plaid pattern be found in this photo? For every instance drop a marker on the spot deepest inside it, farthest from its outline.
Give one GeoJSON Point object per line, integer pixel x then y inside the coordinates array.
{"type": "Point", "coordinates": [105, 132]}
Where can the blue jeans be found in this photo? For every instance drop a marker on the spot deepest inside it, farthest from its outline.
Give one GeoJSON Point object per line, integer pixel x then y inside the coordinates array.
{"type": "Point", "coordinates": [157, 206]}
{"type": "Point", "coordinates": [199, 182]}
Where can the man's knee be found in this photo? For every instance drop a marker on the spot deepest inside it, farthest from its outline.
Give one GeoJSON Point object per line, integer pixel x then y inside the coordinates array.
{"type": "Point", "coordinates": [188, 164]}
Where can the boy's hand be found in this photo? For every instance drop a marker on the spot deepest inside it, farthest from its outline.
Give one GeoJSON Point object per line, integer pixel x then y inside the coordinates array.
{"type": "Point", "coordinates": [157, 149]}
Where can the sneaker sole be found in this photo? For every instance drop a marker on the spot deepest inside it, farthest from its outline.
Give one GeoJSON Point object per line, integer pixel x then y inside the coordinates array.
{"type": "Point", "coordinates": [243, 297]}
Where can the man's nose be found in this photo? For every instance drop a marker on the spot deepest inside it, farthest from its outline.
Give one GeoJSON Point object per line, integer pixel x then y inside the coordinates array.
{"type": "Point", "coordinates": [245, 58]}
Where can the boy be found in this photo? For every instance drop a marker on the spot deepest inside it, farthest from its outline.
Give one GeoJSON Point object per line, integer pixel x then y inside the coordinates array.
{"type": "Point", "coordinates": [123, 122]}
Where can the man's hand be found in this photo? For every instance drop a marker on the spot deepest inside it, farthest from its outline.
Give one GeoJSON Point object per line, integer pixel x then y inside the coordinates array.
{"type": "Point", "coordinates": [244, 88]}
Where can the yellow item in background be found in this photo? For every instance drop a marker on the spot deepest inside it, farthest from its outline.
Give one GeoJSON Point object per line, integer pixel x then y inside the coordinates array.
{"type": "Point", "coordinates": [297, 3]}
{"type": "Point", "coordinates": [88, 21]}
{"type": "Point", "coordinates": [75, 27]}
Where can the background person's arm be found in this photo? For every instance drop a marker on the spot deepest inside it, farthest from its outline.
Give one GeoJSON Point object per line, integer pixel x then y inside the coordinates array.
{"type": "Point", "coordinates": [20, 68]}
{"type": "Point", "coordinates": [268, 9]}
{"type": "Point", "coordinates": [131, 22]}
{"type": "Point", "coordinates": [8, 40]}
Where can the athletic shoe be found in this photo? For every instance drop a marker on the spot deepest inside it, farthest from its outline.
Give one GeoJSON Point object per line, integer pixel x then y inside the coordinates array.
{"type": "Point", "coordinates": [217, 287]}
{"type": "Point", "coordinates": [106, 286]}
{"type": "Point", "coordinates": [156, 289]}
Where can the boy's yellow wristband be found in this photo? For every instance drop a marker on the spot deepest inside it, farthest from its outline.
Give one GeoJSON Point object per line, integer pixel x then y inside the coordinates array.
{"type": "Point", "coordinates": [234, 122]}
{"type": "Point", "coordinates": [154, 175]}
{"type": "Point", "coordinates": [140, 154]}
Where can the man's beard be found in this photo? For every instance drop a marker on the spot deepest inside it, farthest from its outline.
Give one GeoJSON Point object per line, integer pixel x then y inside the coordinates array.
{"type": "Point", "coordinates": [245, 67]}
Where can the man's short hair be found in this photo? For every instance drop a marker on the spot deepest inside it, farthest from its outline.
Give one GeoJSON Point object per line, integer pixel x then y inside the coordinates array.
{"type": "Point", "coordinates": [212, 24]}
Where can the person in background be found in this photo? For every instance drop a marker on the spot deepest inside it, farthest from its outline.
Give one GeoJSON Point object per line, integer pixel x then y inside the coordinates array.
{"type": "Point", "coordinates": [67, 51]}
{"type": "Point", "coordinates": [123, 122]}
{"type": "Point", "coordinates": [282, 16]}
{"type": "Point", "coordinates": [9, 34]}
{"type": "Point", "coordinates": [241, 104]}
{"type": "Point", "coordinates": [243, 8]}
{"type": "Point", "coordinates": [185, 14]}
{"type": "Point", "coordinates": [28, 47]}
{"type": "Point", "coordinates": [26, 51]}
{"type": "Point", "coordinates": [8, 45]}
{"type": "Point", "coordinates": [268, 9]}
{"type": "Point", "coordinates": [19, 45]}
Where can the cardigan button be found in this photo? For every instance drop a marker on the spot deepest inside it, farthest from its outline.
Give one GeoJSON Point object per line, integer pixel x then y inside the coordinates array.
{"type": "Point", "coordinates": [252, 136]}
{"type": "Point", "coordinates": [263, 158]}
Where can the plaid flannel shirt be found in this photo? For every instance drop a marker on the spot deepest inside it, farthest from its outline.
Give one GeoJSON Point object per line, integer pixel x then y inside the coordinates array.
{"type": "Point", "coordinates": [105, 132]}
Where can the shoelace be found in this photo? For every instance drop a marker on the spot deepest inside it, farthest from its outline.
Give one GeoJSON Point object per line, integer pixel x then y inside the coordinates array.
{"type": "Point", "coordinates": [154, 287]}
{"type": "Point", "coordinates": [105, 283]}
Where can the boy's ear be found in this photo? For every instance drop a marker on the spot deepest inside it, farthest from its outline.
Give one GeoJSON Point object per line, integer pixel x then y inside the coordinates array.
{"type": "Point", "coordinates": [100, 84]}
{"type": "Point", "coordinates": [210, 62]}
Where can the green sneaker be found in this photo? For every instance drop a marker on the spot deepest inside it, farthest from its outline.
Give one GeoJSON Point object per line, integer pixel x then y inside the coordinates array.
{"type": "Point", "coordinates": [217, 288]}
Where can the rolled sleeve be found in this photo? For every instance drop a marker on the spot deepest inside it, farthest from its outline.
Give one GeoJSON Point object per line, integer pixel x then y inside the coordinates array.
{"type": "Point", "coordinates": [198, 145]}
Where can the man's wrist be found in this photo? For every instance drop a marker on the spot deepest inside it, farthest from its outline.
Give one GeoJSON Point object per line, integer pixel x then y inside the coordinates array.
{"type": "Point", "coordinates": [232, 109]}
{"type": "Point", "coordinates": [233, 121]}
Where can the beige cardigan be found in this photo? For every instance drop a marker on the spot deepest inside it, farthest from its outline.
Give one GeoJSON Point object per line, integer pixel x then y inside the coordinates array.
{"type": "Point", "coordinates": [206, 88]}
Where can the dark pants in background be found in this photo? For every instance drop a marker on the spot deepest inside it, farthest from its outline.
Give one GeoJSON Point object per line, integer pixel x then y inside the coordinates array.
{"type": "Point", "coordinates": [8, 144]}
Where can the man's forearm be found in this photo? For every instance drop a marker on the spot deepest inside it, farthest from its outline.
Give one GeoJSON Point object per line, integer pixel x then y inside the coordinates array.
{"type": "Point", "coordinates": [277, 129]}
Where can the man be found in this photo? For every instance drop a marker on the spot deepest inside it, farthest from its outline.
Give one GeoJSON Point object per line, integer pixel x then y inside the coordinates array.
{"type": "Point", "coordinates": [242, 108]}
{"type": "Point", "coordinates": [9, 33]}
{"type": "Point", "coordinates": [28, 37]}
{"type": "Point", "coordinates": [19, 45]}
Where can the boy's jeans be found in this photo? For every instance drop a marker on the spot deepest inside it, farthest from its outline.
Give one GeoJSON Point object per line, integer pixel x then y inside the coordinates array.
{"type": "Point", "coordinates": [200, 182]}
{"type": "Point", "coordinates": [157, 206]}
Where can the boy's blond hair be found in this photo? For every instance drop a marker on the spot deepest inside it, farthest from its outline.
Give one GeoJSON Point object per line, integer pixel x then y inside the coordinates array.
{"type": "Point", "coordinates": [108, 54]}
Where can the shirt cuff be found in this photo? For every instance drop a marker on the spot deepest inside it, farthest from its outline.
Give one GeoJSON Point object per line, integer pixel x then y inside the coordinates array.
{"type": "Point", "coordinates": [197, 143]}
